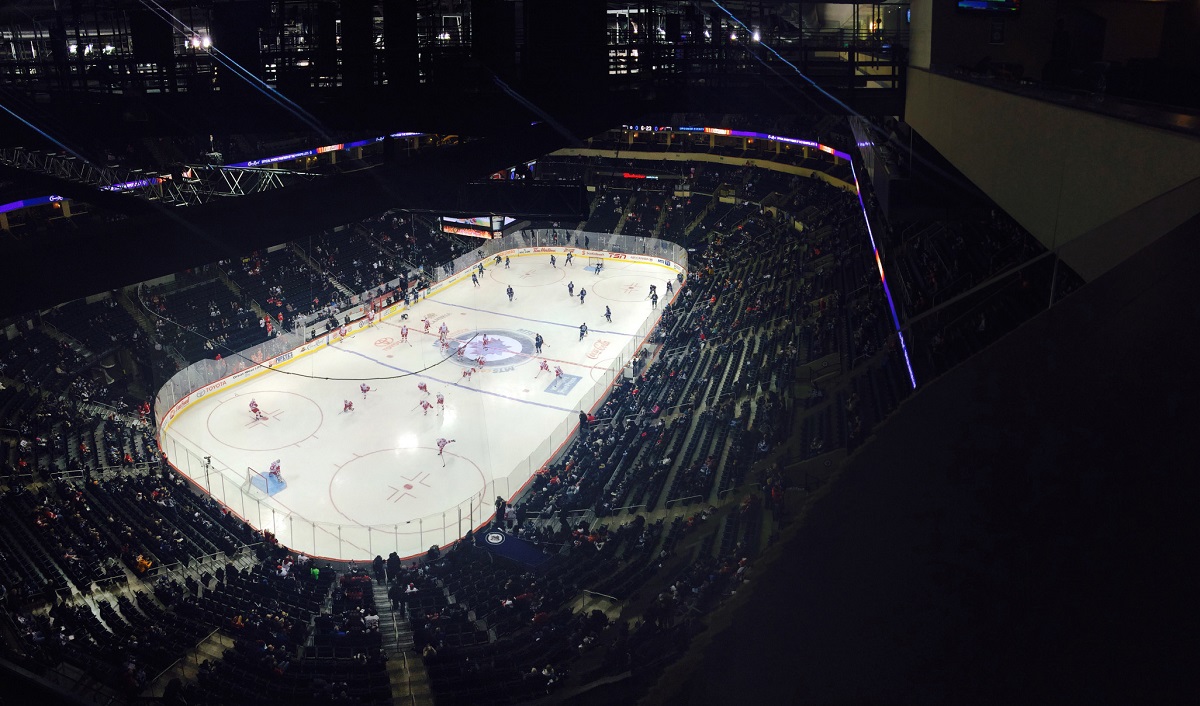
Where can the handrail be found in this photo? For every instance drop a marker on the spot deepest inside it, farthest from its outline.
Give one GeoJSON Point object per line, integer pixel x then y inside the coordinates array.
{"type": "Point", "coordinates": [180, 659]}
{"type": "Point", "coordinates": [408, 680]}
{"type": "Point", "coordinates": [738, 487]}
{"type": "Point", "coordinates": [628, 507]}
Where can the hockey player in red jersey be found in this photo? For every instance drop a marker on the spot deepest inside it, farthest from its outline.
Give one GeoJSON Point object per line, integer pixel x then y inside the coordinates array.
{"type": "Point", "coordinates": [442, 444]}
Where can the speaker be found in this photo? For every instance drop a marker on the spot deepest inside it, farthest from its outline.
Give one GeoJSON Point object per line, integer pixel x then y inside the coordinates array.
{"type": "Point", "coordinates": [326, 40]}
{"type": "Point", "coordinates": [153, 38]}
{"type": "Point", "coordinates": [357, 45]}
{"type": "Point", "coordinates": [400, 43]}
{"type": "Point", "coordinates": [674, 28]}
{"type": "Point", "coordinates": [493, 36]}
{"type": "Point", "coordinates": [566, 45]}
{"type": "Point", "coordinates": [235, 28]}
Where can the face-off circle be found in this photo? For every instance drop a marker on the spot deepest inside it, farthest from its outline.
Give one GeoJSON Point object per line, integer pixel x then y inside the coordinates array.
{"type": "Point", "coordinates": [505, 348]}
{"type": "Point", "coordinates": [404, 485]}
{"type": "Point", "coordinates": [288, 418]}
{"type": "Point", "coordinates": [627, 288]}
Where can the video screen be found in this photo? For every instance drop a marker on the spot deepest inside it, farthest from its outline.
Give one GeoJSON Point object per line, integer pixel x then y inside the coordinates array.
{"type": "Point", "coordinates": [1002, 6]}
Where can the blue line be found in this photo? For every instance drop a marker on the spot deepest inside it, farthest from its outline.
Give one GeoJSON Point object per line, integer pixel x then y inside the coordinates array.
{"type": "Point", "coordinates": [540, 321]}
{"type": "Point", "coordinates": [452, 384]}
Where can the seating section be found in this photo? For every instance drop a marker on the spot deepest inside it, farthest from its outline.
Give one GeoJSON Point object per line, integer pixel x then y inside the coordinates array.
{"type": "Point", "coordinates": [204, 319]}
{"type": "Point", "coordinates": [284, 286]}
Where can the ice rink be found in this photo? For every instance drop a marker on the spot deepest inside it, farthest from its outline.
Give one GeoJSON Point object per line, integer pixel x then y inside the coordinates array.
{"type": "Point", "coordinates": [370, 481]}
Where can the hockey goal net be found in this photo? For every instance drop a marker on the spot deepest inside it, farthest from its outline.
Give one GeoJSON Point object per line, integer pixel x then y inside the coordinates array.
{"type": "Point", "coordinates": [262, 482]}
{"type": "Point", "coordinates": [593, 261]}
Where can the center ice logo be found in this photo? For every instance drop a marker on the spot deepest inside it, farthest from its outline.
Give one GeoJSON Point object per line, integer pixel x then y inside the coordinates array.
{"type": "Point", "coordinates": [504, 348]}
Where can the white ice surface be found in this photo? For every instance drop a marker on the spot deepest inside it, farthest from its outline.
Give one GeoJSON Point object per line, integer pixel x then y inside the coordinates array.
{"type": "Point", "coordinates": [378, 466]}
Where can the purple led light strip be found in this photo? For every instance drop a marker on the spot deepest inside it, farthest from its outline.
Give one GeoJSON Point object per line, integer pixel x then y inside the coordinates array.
{"type": "Point", "coordinates": [883, 278]}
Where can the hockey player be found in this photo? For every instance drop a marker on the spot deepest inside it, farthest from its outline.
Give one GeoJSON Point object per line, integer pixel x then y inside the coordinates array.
{"type": "Point", "coordinates": [404, 333]}
{"type": "Point", "coordinates": [441, 403]}
{"type": "Point", "coordinates": [347, 406]}
{"type": "Point", "coordinates": [510, 292]}
{"type": "Point", "coordinates": [608, 314]}
{"type": "Point", "coordinates": [462, 351]}
{"type": "Point", "coordinates": [474, 279]}
{"type": "Point", "coordinates": [485, 340]}
{"type": "Point", "coordinates": [553, 262]}
{"type": "Point", "coordinates": [599, 266]}
{"type": "Point", "coordinates": [543, 367]}
{"type": "Point", "coordinates": [423, 388]}
{"type": "Point", "coordinates": [670, 287]}
{"type": "Point", "coordinates": [342, 331]}
{"type": "Point", "coordinates": [570, 259]}
{"type": "Point", "coordinates": [468, 373]}
{"type": "Point", "coordinates": [427, 323]}
{"type": "Point", "coordinates": [571, 288]}
{"type": "Point", "coordinates": [425, 407]}
{"type": "Point", "coordinates": [654, 300]}
{"type": "Point", "coordinates": [275, 471]}
{"type": "Point", "coordinates": [582, 295]}
{"type": "Point", "coordinates": [582, 331]}
{"type": "Point", "coordinates": [651, 292]}
{"type": "Point", "coordinates": [481, 361]}
{"type": "Point", "coordinates": [371, 316]}
{"type": "Point", "coordinates": [255, 411]}
{"type": "Point", "coordinates": [365, 388]}
{"type": "Point", "coordinates": [442, 444]}
{"type": "Point", "coordinates": [537, 343]}
{"type": "Point", "coordinates": [506, 262]}
{"type": "Point", "coordinates": [558, 375]}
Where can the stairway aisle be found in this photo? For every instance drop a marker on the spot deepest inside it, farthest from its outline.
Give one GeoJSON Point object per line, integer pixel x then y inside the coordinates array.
{"type": "Point", "coordinates": [406, 669]}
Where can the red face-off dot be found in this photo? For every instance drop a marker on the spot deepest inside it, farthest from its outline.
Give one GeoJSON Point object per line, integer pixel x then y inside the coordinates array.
{"type": "Point", "coordinates": [408, 486]}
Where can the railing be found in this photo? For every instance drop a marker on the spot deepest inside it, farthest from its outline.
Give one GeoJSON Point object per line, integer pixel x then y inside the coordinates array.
{"type": "Point", "coordinates": [412, 698]}
{"type": "Point", "coordinates": [225, 479]}
{"type": "Point", "coordinates": [193, 653]}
